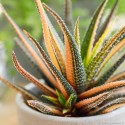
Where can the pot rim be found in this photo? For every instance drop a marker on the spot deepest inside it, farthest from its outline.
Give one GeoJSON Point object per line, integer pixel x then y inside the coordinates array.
{"type": "Point", "coordinates": [21, 104]}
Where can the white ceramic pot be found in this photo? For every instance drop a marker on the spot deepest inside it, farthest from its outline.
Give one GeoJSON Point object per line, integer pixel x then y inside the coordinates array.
{"type": "Point", "coordinates": [28, 116]}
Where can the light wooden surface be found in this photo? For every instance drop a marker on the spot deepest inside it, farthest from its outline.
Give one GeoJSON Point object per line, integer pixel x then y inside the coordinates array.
{"type": "Point", "coordinates": [8, 115]}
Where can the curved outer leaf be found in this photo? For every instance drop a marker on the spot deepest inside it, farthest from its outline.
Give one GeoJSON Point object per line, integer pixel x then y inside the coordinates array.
{"type": "Point", "coordinates": [102, 88]}
{"type": "Point", "coordinates": [97, 102]}
{"type": "Point", "coordinates": [77, 35]}
{"type": "Point", "coordinates": [62, 85]}
{"type": "Point", "coordinates": [88, 42]}
{"type": "Point", "coordinates": [109, 106]}
{"type": "Point", "coordinates": [95, 65]}
{"type": "Point", "coordinates": [45, 108]}
{"type": "Point", "coordinates": [46, 89]}
{"type": "Point", "coordinates": [23, 91]}
{"type": "Point", "coordinates": [86, 102]}
{"type": "Point", "coordinates": [115, 95]}
{"type": "Point", "coordinates": [113, 107]}
{"type": "Point", "coordinates": [94, 104]}
{"type": "Point", "coordinates": [74, 68]}
{"type": "Point", "coordinates": [26, 44]}
{"type": "Point", "coordinates": [110, 71]}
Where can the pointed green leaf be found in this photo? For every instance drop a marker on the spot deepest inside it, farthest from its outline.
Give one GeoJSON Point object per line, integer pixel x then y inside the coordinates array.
{"type": "Point", "coordinates": [87, 44]}
{"type": "Point", "coordinates": [107, 21]}
{"type": "Point", "coordinates": [115, 43]}
{"type": "Point", "coordinates": [77, 35]}
{"type": "Point", "coordinates": [61, 98]}
{"type": "Point", "coordinates": [71, 101]}
{"type": "Point", "coordinates": [99, 44]}
{"type": "Point", "coordinates": [51, 99]}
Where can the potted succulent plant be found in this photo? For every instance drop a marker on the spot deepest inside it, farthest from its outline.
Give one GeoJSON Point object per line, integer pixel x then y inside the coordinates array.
{"type": "Point", "coordinates": [80, 91]}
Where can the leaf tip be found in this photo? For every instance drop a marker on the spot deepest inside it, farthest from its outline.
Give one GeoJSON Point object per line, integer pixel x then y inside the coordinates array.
{"type": "Point", "coordinates": [31, 102]}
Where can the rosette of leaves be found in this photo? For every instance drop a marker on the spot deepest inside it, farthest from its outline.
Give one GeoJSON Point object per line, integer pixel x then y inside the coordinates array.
{"type": "Point", "coordinates": [73, 69]}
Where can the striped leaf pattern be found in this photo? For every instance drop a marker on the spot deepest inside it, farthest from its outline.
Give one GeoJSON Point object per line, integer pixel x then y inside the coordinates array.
{"type": "Point", "coordinates": [94, 66]}
{"type": "Point", "coordinates": [74, 68]}
{"type": "Point", "coordinates": [79, 85]}
{"type": "Point", "coordinates": [62, 85]}
{"type": "Point", "coordinates": [88, 42]}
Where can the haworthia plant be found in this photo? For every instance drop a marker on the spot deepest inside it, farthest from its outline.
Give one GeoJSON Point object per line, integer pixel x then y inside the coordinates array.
{"type": "Point", "coordinates": [76, 89]}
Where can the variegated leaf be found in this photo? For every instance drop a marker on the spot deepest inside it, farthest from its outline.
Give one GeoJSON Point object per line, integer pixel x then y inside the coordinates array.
{"type": "Point", "coordinates": [103, 88]}
{"type": "Point", "coordinates": [74, 68]}
{"type": "Point", "coordinates": [58, 56]}
{"type": "Point", "coordinates": [87, 44]}
{"type": "Point", "coordinates": [45, 108]}
{"type": "Point", "coordinates": [46, 89]}
{"type": "Point", "coordinates": [109, 106]}
{"type": "Point", "coordinates": [115, 42]}
{"type": "Point", "coordinates": [57, 44]}
{"type": "Point", "coordinates": [50, 39]}
{"type": "Point", "coordinates": [87, 105]}
{"type": "Point", "coordinates": [62, 85]}
{"type": "Point", "coordinates": [116, 48]}
{"type": "Point", "coordinates": [99, 44]}
{"type": "Point", "coordinates": [106, 22]}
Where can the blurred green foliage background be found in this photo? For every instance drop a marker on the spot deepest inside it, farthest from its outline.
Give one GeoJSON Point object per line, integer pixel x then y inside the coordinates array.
{"type": "Point", "coordinates": [25, 14]}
